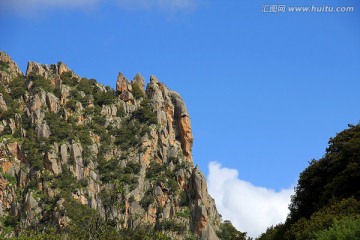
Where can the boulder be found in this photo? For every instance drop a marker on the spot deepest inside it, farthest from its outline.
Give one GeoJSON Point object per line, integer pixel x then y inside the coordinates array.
{"type": "Point", "coordinates": [64, 153]}
{"type": "Point", "coordinates": [51, 163]}
{"type": "Point", "coordinates": [52, 102]}
{"type": "Point", "coordinates": [11, 70]}
{"type": "Point", "coordinates": [43, 131]}
{"type": "Point", "coordinates": [181, 116]}
{"type": "Point", "coordinates": [3, 106]}
{"type": "Point", "coordinates": [199, 185]}
{"type": "Point", "coordinates": [78, 160]}
{"type": "Point", "coordinates": [121, 83]}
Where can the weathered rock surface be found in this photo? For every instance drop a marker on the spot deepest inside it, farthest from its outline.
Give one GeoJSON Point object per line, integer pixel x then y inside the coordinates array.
{"type": "Point", "coordinates": [108, 157]}
{"type": "Point", "coordinates": [3, 106]}
{"type": "Point", "coordinates": [52, 102]}
{"type": "Point", "coordinates": [139, 81]}
{"type": "Point", "coordinates": [124, 88]}
{"type": "Point", "coordinates": [9, 68]}
{"type": "Point", "coordinates": [204, 208]}
{"type": "Point", "coordinates": [183, 122]}
{"type": "Point", "coordinates": [173, 117]}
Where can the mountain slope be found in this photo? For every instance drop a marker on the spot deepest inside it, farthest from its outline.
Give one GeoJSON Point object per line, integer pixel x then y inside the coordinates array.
{"type": "Point", "coordinates": [76, 156]}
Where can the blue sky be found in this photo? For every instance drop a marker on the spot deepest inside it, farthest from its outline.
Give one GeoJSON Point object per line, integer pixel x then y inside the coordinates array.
{"type": "Point", "coordinates": [265, 91]}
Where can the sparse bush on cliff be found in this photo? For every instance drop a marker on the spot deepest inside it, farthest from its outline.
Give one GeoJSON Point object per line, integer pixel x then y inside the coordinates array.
{"type": "Point", "coordinates": [136, 91]}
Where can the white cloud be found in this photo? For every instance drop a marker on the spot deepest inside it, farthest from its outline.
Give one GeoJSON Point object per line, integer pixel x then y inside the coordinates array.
{"type": "Point", "coordinates": [29, 6]}
{"type": "Point", "coordinates": [250, 208]}
{"type": "Point", "coordinates": [163, 5]}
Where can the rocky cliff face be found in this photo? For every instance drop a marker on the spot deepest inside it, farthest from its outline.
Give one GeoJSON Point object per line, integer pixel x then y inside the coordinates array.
{"type": "Point", "coordinates": [69, 144]}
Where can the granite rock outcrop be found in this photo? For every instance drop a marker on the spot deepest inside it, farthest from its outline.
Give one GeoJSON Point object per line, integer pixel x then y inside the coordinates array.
{"type": "Point", "coordinates": [68, 141]}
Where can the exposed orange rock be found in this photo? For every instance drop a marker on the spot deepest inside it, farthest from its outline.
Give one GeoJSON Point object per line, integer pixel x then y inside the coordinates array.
{"type": "Point", "coordinates": [6, 166]}
{"type": "Point", "coordinates": [13, 148]}
{"type": "Point", "coordinates": [151, 215]}
{"type": "Point", "coordinates": [52, 102]}
{"type": "Point", "coordinates": [13, 67]}
{"type": "Point", "coordinates": [86, 171]}
{"type": "Point", "coordinates": [121, 83]}
{"type": "Point", "coordinates": [146, 156]}
{"type": "Point", "coordinates": [62, 68]}
{"type": "Point", "coordinates": [202, 223]}
{"type": "Point", "coordinates": [186, 137]}
{"type": "Point", "coordinates": [80, 198]}
{"type": "Point", "coordinates": [81, 120]}
{"type": "Point", "coordinates": [127, 205]}
{"type": "Point", "coordinates": [199, 186]}
{"type": "Point", "coordinates": [160, 196]}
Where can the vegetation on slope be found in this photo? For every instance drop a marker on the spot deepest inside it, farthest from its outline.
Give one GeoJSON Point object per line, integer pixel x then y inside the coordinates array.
{"type": "Point", "coordinates": [327, 195]}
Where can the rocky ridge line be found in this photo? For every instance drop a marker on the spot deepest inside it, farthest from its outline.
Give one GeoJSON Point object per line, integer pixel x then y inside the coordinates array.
{"type": "Point", "coordinates": [147, 196]}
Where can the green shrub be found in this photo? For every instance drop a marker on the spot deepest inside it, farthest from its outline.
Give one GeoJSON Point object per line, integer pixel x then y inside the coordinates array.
{"type": "Point", "coordinates": [87, 86]}
{"type": "Point", "coordinates": [160, 173]}
{"type": "Point", "coordinates": [32, 149]}
{"type": "Point", "coordinates": [59, 128]}
{"type": "Point", "coordinates": [108, 197]}
{"type": "Point", "coordinates": [128, 135]}
{"type": "Point", "coordinates": [13, 106]}
{"type": "Point", "coordinates": [11, 221]}
{"type": "Point", "coordinates": [142, 233]}
{"type": "Point", "coordinates": [120, 111]}
{"type": "Point", "coordinates": [306, 228]}
{"type": "Point", "coordinates": [99, 119]}
{"type": "Point", "coordinates": [171, 225]}
{"type": "Point", "coordinates": [147, 199]}
{"type": "Point", "coordinates": [345, 228]}
{"type": "Point", "coordinates": [57, 92]}
{"type": "Point", "coordinates": [71, 104]}
{"type": "Point", "coordinates": [172, 184]}
{"type": "Point", "coordinates": [49, 233]}
{"type": "Point", "coordinates": [272, 233]}
{"type": "Point", "coordinates": [185, 213]}
{"type": "Point", "coordinates": [145, 113]}
{"type": "Point", "coordinates": [104, 98]}
{"type": "Point", "coordinates": [136, 91]}
{"type": "Point", "coordinates": [25, 122]}
{"type": "Point", "coordinates": [4, 66]}
{"type": "Point", "coordinates": [183, 199]}
{"type": "Point", "coordinates": [132, 167]}
{"type": "Point", "coordinates": [228, 232]}
{"type": "Point", "coordinates": [109, 170]}
{"type": "Point", "coordinates": [39, 82]}
{"type": "Point", "coordinates": [155, 169]}
{"type": "Point", "coordinates": [68, 79]}
{"type": "Point", "coordinates": [9, 177]}
{"type": "Point", "coordinates": [17, 86]}
{"type": "Point", "coordinates": [6, 132]}
{"type": "Point", "coordinates": [83, 134]}
{"type": "Point", "coordinates": [66, 181]}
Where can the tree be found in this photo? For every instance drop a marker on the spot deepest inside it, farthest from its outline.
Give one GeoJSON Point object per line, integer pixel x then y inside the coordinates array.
{"type": "Point", "coordinates": [346, 228]}
{"type": "Point", "coordinates": [136, 91]}
{"type": "Point", "coordinates": [330, 178]}
{"type": "Point", "coordinates": [229, 232]}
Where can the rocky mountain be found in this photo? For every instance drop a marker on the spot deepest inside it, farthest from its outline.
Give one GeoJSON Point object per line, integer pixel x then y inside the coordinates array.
{"type": "Point", "coordinates": [81, 160]}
